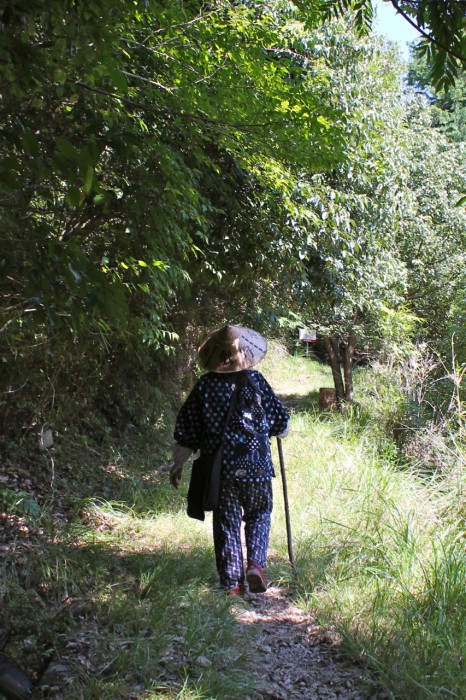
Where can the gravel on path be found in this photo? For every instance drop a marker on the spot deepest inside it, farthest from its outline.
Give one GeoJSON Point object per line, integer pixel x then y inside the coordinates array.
{"type": "Point", "coordinates": [294, 657]}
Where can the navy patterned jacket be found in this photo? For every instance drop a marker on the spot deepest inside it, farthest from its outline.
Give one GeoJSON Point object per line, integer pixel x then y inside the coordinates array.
{"type": "Point", "coordinates": [258, 414]}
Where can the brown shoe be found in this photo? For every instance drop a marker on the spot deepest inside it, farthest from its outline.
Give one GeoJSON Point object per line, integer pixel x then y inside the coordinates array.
{"type": "Point", "coordinates": [256, 577]}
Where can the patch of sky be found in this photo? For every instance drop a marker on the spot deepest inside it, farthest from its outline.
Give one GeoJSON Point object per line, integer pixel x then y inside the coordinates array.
{"type": "Point", "coordinates": [390, 24]}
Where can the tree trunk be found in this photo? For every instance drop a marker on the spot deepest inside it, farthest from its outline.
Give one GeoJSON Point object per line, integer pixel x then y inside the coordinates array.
{"type": "Point", "coordinates": [348, 367]}
{"type": "Point", "coordinates": [332, 349]}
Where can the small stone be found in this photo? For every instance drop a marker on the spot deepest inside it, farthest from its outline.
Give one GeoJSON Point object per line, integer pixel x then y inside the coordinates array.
{"type": "Point", "coordinates": [203, 661]}
{"type": "Point", "coordinates": [46, 439]}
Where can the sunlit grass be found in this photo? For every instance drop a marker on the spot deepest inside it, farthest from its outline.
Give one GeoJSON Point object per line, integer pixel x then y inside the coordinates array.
{"type": "Point", "coordinates": [155, 595]}
{"type": "Point", "coordinates": [375, 555]}
{"type": "Point", "coordinates": [294, 375]}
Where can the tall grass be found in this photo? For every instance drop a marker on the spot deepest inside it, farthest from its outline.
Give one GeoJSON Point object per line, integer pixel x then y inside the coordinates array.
{"type": "Point", "coordinates": [380, 551]}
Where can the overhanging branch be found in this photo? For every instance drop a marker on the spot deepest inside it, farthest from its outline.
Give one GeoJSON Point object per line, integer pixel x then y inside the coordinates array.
{"type": "Point", "coordinates": [427, 36]}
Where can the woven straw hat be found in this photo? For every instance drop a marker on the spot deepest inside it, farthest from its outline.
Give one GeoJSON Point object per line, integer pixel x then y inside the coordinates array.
{"type": "Point", "coordinates": [232, 349]}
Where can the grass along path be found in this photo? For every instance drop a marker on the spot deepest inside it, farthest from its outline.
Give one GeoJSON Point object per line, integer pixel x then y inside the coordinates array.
{"type": "Point", "coordinates": [124, 602]}
{"type": "Point", "coordinates": [380, 549]}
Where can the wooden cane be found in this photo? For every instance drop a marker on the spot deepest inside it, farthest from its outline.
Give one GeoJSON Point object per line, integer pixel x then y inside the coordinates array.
{"type": "Point", "coordinates": [287, 509]}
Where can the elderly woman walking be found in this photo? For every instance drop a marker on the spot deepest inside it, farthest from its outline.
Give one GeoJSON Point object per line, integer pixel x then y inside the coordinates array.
{"type": "Point", "coordinates": [230, 414]}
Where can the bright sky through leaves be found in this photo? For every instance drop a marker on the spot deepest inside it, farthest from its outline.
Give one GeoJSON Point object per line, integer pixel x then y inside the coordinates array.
{"type": "Point", "coordinates": [394, 27]}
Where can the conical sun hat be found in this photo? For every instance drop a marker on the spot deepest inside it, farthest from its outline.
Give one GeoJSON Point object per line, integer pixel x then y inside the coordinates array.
{"type": "Point", "coordinates": [232, 349]}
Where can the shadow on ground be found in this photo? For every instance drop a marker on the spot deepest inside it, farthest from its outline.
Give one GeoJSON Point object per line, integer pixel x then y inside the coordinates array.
{"type": "Point", "coordinates": [300, 403]}
{"type": "Point", "coordinates": [91, 620]}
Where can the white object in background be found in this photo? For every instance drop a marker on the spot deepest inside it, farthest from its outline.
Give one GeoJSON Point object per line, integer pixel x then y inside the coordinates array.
{"type": "Point", "coordinates": [46, 439]}
{"type": "Point", "coordinates": [307, 336]}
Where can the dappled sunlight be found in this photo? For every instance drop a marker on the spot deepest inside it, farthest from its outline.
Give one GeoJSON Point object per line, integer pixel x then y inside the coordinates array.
{"type": "Point", "coordinates": [130, 532]}
{"type": "Point", "coordinates": [146, 613]}
{"type": "Point", "coordinates": [171, 166]}
{"type": "Point", "coordinates": [295, 657]}
{"type": "Point", "coordinates": [135, 580]}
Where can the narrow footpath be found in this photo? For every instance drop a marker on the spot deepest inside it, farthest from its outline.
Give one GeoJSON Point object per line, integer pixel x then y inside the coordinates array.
{"type": "Point", "coordinates": [295, 657]}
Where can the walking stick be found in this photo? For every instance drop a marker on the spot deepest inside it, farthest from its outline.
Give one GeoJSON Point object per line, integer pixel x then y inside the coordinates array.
{"type": "Point", "coordinates": [287, 509]}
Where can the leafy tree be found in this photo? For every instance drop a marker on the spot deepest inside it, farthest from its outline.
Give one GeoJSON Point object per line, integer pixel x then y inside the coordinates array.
{"type": "Point", "coordinates": [438, 170]}
{"type": "Point", "coordinates": [432, 231]}
{"type": "Point", "coordinates": [385, 233]}
{"type": "Point", "coordinates": [133, 135]}
{"type": "Point", "coordinates": [448, 106]}
{"type": "Point", "coordinates": [349, 269]}
{"type": "Point", "coordinates": [157, 156]}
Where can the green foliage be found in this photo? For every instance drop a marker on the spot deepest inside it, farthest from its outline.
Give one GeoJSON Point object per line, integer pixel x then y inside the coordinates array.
{"type": "Point", "coordinates": [88, 601]}
{"type": "Point", "coordinates": [379, 543]}
{"type": "Point", "coordinates": [382, 235]}
{"type": "Point", "coordinates": [157, 158]}
{"type": "Point", "coordinates": [444, 26]}
{"type": "Point", "coordinates": [18, 503]}
{"type": "Point", "coordinates": [344, 223]}
{"type": "Point", "coordinates": [448, 109]}
{"type": "Point", "coordinates": [399, 327]}
{"type": "Point", "coordinates": [135, 165]}
{"type": "Point", "coordinates": [121, 587]}
{"type": "Point", "coordinates": [431, 235]}
{"type": "Point", "coordinates": [363, 11]}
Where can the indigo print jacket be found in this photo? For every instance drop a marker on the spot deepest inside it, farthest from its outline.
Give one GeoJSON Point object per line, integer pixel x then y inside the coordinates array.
{"type": "Point", "coordinates": [258, 414]}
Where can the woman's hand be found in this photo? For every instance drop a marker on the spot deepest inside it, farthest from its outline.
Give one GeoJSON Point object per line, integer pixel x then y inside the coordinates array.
{"type": "Point", "coordinates": [180, 457]}
{"type": "Point", "coordinates": [176, 473]}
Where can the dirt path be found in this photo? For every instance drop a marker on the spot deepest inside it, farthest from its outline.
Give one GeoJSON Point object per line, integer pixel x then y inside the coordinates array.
{"type": "Point", "coordinates": [296, 658]}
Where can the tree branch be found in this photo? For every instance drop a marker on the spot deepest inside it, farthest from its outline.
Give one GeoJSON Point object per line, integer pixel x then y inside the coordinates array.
{"type": "Point", "coordinates": [184, 115]}
{"type": "Point", "coordinates": [425, 35]}
{"type": "Point", "coordinates": [148, 80]}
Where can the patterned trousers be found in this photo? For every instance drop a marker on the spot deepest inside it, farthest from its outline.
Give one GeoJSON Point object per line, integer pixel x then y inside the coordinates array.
{"type": "Point", "coordinates": [248, 502]}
